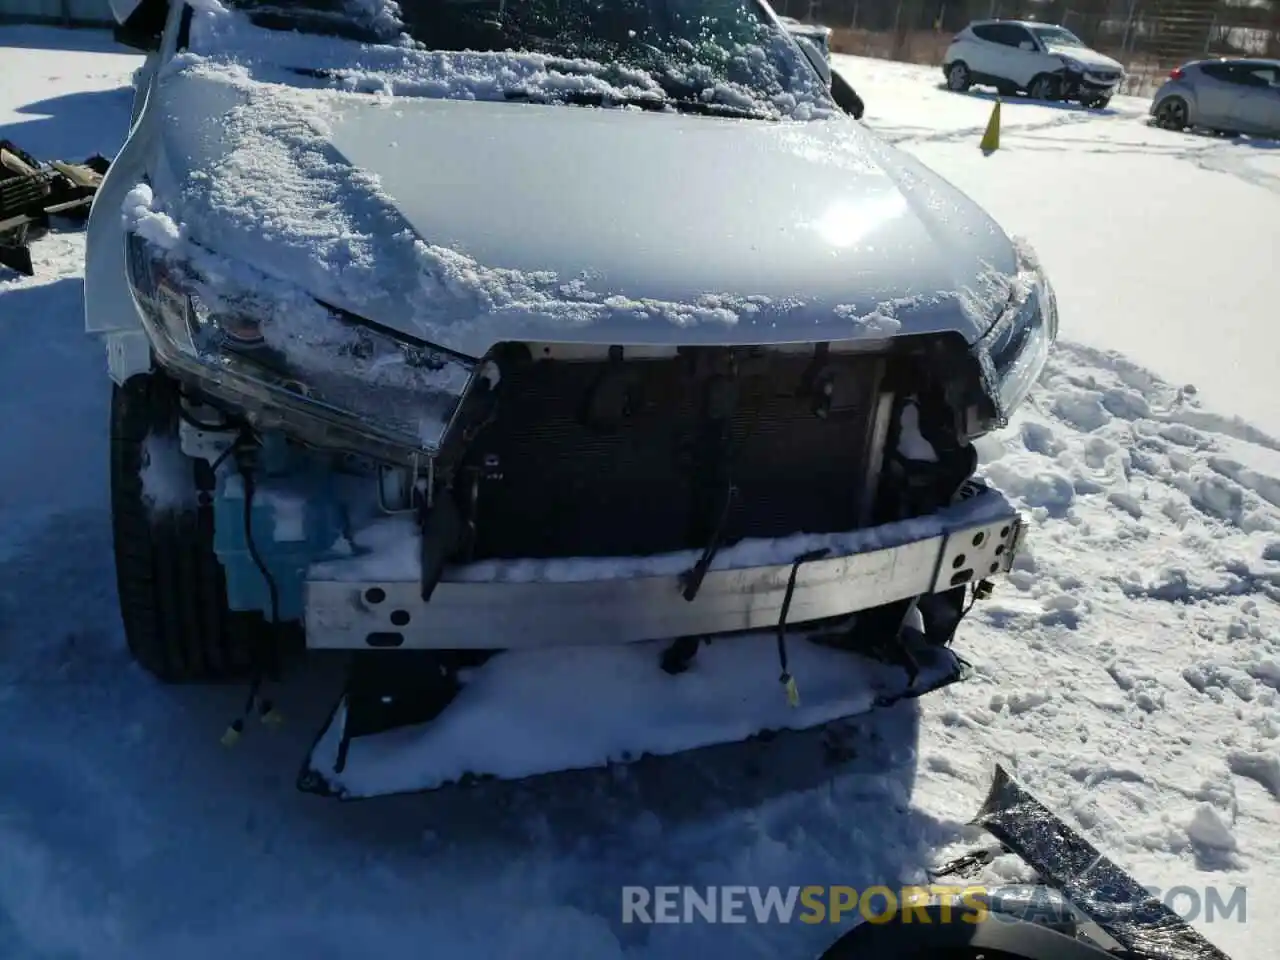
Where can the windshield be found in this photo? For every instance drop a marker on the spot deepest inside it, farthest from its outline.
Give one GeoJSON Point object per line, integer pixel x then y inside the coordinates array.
{"type": "Point", "coordinates": [1057, 37]}
{"type": "Point", "coordinates": [683, 53]}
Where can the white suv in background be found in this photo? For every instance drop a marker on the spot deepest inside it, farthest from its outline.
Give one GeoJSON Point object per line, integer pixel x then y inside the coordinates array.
{"type": "Point", "coordinates": [1047, 61]}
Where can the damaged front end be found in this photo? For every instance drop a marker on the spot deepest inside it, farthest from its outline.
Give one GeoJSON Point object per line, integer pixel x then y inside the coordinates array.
{"type": "Point", "coordinates": [1087, 82]}
{"type": "Point", "coordinates": [564, 555]}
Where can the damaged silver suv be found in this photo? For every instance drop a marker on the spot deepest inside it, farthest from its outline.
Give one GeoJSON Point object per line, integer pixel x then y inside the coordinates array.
{"type": "Point", "coordinates": [581, 369]}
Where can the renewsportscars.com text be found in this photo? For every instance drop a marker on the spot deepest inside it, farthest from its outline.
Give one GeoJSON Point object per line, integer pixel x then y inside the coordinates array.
{"type": "Point", "coordinates": [881, 904]}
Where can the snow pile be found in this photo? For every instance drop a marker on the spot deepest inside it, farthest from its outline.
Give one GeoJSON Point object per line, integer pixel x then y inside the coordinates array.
{"type": "Point", "coordinates": [526, 712]}
{"type": "Point", "coordinates": [1155, 611]}
{"type": "Point", "coordinates": [911, 442]}
{"type": "Point", "coordinates": [154, 226]}
{"type": "Point", "coordinates": [166, 476]}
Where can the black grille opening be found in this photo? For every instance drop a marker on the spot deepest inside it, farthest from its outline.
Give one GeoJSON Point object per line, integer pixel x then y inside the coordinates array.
{"type": "Point", "coordinates": [619, 458]}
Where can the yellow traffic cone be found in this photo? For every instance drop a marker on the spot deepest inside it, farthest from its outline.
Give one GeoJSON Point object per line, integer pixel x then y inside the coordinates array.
{"type": "Point", "coordinates": [991, 139]}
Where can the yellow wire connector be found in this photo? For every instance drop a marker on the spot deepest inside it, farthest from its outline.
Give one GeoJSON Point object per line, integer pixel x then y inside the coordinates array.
{"type": "Point", "coordinates": [788, 681]}
{"type": "Point", "coordinates": [231, 735]}
{"type": "Point", "coordinates": [269, 715]}
{"type": "Point", "coordinates": [793, 693]}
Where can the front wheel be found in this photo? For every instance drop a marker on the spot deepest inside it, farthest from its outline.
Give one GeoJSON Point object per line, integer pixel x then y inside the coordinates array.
{"type": "Point", "coordinates": [1100, 103]}
{"type": "Point", "coordinates": [170, 583]}
{"type": "Point", "coordinates": [1044, 87]}
{"type": "Point", "coordinates": [958, 77]}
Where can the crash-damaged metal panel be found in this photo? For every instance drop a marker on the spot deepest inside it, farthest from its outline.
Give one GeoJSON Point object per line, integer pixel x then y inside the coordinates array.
{"type": "Point", "coordinates": [1124, 909]}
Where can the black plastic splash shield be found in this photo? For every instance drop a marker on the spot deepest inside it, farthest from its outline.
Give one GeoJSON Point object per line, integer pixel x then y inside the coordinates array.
{"type": "Point", "coordinates": [1124, 909]}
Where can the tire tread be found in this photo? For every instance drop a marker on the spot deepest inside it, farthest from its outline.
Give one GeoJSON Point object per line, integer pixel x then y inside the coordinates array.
{"type": "Point", "coordinates": [171, 587]}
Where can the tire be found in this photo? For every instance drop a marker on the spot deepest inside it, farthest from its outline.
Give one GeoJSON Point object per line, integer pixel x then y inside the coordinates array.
{"type": "Point", "coordinates": [959, 80]}
{"type": "Point", "coordinates": [1044, 86]}
{"type": "Point", "coordinates": [1100, 104]}
{"type": "Point", "coordinates": [1172, 113]}
{"type": "Point", "coordinates": [171, 586]}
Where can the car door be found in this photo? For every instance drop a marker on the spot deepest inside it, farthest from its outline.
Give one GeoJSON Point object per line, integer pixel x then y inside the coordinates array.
{"type": "Point", "coordinates": [1025, 57]}
{"type": "Point", "coordinates": [1220, 86]}
{"type": "Point", "coordinates": [1257, 108]}
{"type": "Point", "coordinates": [988, 55]}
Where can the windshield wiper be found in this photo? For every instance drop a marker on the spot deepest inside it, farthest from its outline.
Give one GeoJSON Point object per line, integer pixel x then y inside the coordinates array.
{"type": "Point", "coordinates": [584, 98]}
{"type": "Point", "coordinates": [322, 22]}
{"type": "Point", "coordinates": [715, 108]}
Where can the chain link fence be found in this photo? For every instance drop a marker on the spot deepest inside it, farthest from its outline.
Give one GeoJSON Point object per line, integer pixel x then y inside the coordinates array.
{"type": "Point", "coordinates": [1149, 37]}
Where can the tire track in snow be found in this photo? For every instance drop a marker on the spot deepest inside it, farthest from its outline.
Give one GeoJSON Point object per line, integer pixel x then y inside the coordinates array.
{"type": "Point", "coordinates": [902, 135]}
{"type": "Point", "coordinates": [1235, 161]}
{"type": "Point", "coordinates": [1234, 157]}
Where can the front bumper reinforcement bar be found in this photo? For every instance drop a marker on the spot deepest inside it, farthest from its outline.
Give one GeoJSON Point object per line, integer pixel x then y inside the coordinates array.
{"type": "Point", "coordinates": [617, 607]}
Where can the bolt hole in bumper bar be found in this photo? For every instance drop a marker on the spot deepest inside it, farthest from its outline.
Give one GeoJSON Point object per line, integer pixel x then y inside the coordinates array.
{"type": "Point", "coordinates": [371, 602]}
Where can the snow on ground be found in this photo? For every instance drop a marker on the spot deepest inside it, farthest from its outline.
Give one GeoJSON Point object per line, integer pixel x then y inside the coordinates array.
{"type": "Point", "coordinates": [1128, 672]}
{"type": "Point", "coordinates": [1157, 242]}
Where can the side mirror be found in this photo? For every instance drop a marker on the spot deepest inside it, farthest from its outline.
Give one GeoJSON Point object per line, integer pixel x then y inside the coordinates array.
{"type": "Point", "coordinates": [845, 96]}
{"type": "Point", "coordinates": [140, 23]}
{"type": "Point", "coordinates": [1027, 45]}
{"type": "Point", "coordinates": [815, 57]}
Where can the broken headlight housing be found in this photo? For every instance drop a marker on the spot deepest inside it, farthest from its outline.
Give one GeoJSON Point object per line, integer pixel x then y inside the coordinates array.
{"type": "Point", "coordinates": [1015, 349]}
{"type": "Point", "coordinates": [289, 361]}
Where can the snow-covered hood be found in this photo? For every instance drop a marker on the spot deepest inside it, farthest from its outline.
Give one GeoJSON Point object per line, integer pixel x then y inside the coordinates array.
{"type": "Point", "coordinates": [1089, 58]}
{"type": "Point", "coordinates": [471, 222]}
